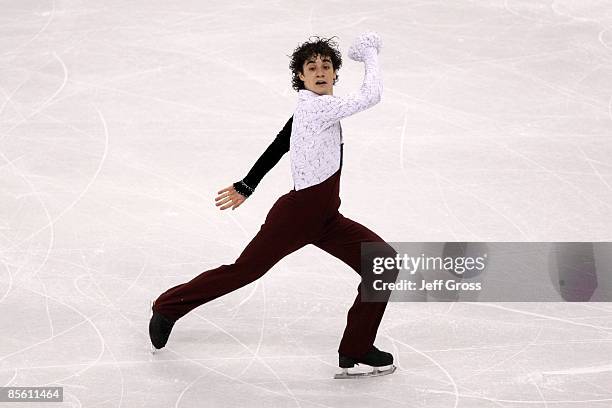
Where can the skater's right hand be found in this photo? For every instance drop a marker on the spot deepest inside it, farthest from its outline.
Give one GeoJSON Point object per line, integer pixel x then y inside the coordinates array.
{"type": "Point", "coordinates": [366, 42]}
{"type": "Point", "coordinates": [229, 197]}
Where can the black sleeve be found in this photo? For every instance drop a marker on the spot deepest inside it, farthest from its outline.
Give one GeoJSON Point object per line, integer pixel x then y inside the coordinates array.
{"type": "Point", "coordinates": [268, 159]}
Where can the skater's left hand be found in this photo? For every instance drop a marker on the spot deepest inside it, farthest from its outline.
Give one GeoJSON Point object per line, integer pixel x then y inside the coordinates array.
{"type": "Point", "coordinates": [229, 197]}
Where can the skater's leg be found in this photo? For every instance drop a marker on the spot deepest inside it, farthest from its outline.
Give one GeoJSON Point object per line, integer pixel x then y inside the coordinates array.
{"type": "Point", "coordinates": [342, 239]}
{"type": "Point", "coordinates": [280, 235]}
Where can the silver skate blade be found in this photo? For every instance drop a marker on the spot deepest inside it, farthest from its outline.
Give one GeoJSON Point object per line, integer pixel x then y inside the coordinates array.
{"type": "Point", "coordinates": [153, 349]}
{"type": "Point", "coordinates": [376, 372]}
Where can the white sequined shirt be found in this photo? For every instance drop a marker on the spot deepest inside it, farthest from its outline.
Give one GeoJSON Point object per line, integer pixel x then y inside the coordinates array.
{"type": "Point", "coordinates": [316, 133]}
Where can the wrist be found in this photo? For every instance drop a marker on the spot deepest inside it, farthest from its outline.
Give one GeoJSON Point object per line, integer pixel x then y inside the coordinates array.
{"type": "Point", "coordinates": [243, 189]}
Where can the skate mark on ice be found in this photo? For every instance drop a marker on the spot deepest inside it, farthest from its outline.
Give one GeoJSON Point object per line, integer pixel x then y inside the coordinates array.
{"type": "Point", "coordinates": [47, 101]}
{"type": "Point", "coordinates": [51, 222]}
{"type": "Point", "coordinates": [85, 320]}
{"type": "Point", "coordinates": [10, 281]}
{"type": "Point", "coordinates": [8, 99]}
{"type": "Point", "coordinates": [40, 31]}
{"type": "Point", "coordinates": [254, 356]}
{"type": "Point", "coordinates": [553, 318]}
{"type": "Point", "coordinates": [590, 163]}
{"type": "Point", "coordinates": [600, 37]}
{"type": "Point", "coordinates": [533, 342]}
{"type": "Point", "coordinates": [437, 364]}
{"type": "Point", "coordinates": [36, 194]}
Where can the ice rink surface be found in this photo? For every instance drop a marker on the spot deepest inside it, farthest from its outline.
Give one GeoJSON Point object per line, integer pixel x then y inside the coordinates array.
{"type": "Point", "coordinates": [120, 121]}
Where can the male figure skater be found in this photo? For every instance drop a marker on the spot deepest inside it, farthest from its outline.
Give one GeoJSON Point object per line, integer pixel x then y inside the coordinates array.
{"type": "Point", "coordinates": [308, 214]}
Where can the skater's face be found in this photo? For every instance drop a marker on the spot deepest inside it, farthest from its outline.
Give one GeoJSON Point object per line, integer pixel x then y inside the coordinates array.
{"type": "Point", "coordinates": [318, 75]}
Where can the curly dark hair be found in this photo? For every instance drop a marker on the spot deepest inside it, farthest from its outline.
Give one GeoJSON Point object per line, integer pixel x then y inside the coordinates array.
{"type": "Point", "coordinates": [325, 47]}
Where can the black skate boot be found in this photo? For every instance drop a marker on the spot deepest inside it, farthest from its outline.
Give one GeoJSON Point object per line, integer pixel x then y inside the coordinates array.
{"type": "Point", "coordinates": [159, 330]}
{"type": "Point", "coordinates": [374, 358]}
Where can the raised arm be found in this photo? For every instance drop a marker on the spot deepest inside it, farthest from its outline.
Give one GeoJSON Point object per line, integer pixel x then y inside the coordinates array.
{"type": "Point", "coordinates": [269, 159]}
{"type": "Point", "coordinates": [328, 109]}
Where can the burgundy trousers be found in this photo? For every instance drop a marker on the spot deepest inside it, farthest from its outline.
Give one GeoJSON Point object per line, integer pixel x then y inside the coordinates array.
{"type": "Point", "coordinates": [298, 218]}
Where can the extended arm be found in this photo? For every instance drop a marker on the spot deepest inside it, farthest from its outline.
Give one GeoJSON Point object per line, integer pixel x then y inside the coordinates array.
{"type": "Point", "coordinates": [266, 161]}
{"type": "Point", "coordinates": [328, 109]}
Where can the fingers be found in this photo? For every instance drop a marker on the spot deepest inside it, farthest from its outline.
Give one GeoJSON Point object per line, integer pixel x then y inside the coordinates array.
{"type": "Point", "coordinates": [224, 195]}
{"type": "Point", "coordinates": [222, 202]}
{"type": "Point", "coordinates": [225, 200]}
{"type": "Point", "coordinates": [233, 203]}
{"type": "Point", "coordinates": [228, 188]}
{"type": "Point", "coordinates": [229, 199]}
{"type": "Point", "coordinates": [225, 203]}
{"type": "Point", "coordinates": [225, 207]}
